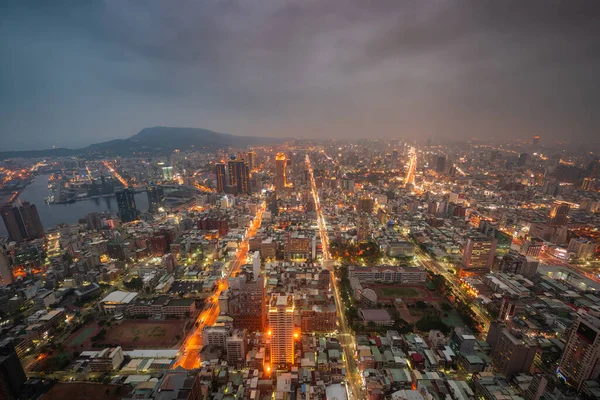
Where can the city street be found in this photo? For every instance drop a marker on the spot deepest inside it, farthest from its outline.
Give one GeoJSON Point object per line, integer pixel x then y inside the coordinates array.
{"type": "Point", "coordinates": [346, 336]}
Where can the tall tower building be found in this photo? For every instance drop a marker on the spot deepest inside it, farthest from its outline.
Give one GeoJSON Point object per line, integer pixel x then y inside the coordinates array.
{"type": "Point", "coordinates": [12, 375]}
{"type": "Point", "coordinates": [536, 140]}
{"type": "Point", "coordinates": [559, 213]}
{"type": "Point", "coordinates": [512, 352]}
{"type": "Point", "coordinates": [478, 252]}
{"type": "Point", "coordinates": [281, 325]}
{"type": "Point", "coordinates": [221, 173]}
{"type": "Point", "coordinates": [280, 173]}
{"type": "Point", "coordinates": [440, 164]}
{"type": "Point", "coordinates": [581, 357]}
{"type": "Point", "coordinates": [5, 271]}
{"type": "Point", "coordinates": [239, 175]}
{"type": "Point", "coordinates": [31, 220]}
{"type": "Point", "coordinates": [156, 196]}
{"type": "Point", "coordinates": [126, 202]}
{"type": "Point", "coordinates": [14, 224]}
{"type": "Point", "coordinates": [251, 158]}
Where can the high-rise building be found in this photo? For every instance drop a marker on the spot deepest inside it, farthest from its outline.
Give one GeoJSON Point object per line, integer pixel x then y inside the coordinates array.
{"type": "Point", "coordinates": [512, 352]}
{"type": "Point", "coordinates": [167, 172]}
{"type": "Point", "coordinates": [559, 213]}
{"type": "Point", "coordinates": [273, 203]}
{"type": "Point", "coordinates": [395, 159]}
{"type": "Point", "coordinates": [31, 220]}
{"type": "Point", "coordinates": [478, 252]}
{"type": "Point", "coordinates": [440, 164]}
{"type": "Point", "coordinates": [221, 173]}
{"type": "Point", "coordinates": [126, 202]}
{"type": "Point", "coordinates": [156, 197]}
{"type": "Point", "coordinates": [5, 271]}
{"type": "Point", "coordinates": [251, 158]}
{"type": "Point", "coordinates": [14, 224]}
{"type": "Point", "coordinates": [588, 184]}
{"type": "Point", "coordinates": [239, 175]}
{"type": "Point", "coordinates": [536, 139]}
{"type": "Point", "coordinates": [280, 171]}
{"type": "Point", "coordinates": [247, 303]}
{"type": "Point", "coordinates": [581, 357]}
{"type": "Point", "coordinates": [12, 375]}
{"type": "Point", "coordinates": [365, 204]}
{"type": "Point", "coordinates": [522, 161]}
{"type": "Point", "coordinates": [235, 345]}
{"type": "Point", "coordinates": [281, 329]}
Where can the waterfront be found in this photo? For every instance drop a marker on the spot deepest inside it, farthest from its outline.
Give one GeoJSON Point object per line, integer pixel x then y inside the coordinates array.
{"type": "Point", "coordinates": [53, 214]}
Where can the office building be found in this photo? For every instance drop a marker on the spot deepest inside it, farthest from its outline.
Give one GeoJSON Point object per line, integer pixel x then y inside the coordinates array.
{"type": "Point", "coordinates": [31, 220]}
{"type": "Point", "coordinates": [522, 161]}
{"type": "Point", "coordinates": [12, 375]}
{"type": "Point", "coordinates": [5, 270]}
{"type": "Point", "coordinates": [239, 175]}
{"type": "Point", "coordinates": [126, 203]}
{"type": "Point", "coordinates": [365, 204]}
{"type": "Point", "coordinates": [221, 173]}
{"type": "Point", "coordinates": [440, 164]}
{"type": "Point", "coordinates": [558, 215]}
{"type": "Point", "coordinates": [512, 352]}
{"type": "Point", "coordinates": [156, 197]}
{"type": "Point", "coordinates": [273, 203]}
{"type": "Point", "coordinates": [536, 140]}
{"type": "Point", "coordinates": [251, 160]}
{"type": "Point", "coordinates": [215, 336]}
{"type": "Point", "coordinates": [247, 303]}
{"type": "Point", "coordinates": [167, 173]}
{"type": "Point", "coordinates": [478, 252]}
{"type": "Point", "coordinates": [235, 345]}
{"type": "Point", "coordinates": [280, 171]}
{"type": "Point", "coordinates": [588, 184]}
{"type": "Point", "coordinates": [581, 357]}
{"type": "Point", "coordinates": [281, 329]}
{"type": "Point", "coordinates": [14, 224]}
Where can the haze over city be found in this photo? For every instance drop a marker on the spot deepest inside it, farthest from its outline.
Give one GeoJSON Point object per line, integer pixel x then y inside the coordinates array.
{"type": "Point", "coordinates": [299, 200]}
{"type": "Point", "coordinates": [75, 73]}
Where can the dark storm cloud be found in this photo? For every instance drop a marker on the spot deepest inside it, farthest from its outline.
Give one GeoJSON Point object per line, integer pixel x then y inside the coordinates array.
{"type": "Point", "coordinates": [76, 72]}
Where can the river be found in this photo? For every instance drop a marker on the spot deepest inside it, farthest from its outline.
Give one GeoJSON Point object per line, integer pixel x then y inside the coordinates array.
{"type": "Point", "coordinates": [53, 214]}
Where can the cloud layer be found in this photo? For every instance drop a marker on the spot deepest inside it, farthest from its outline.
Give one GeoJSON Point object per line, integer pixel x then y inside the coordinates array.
{"type": "Point", "coordinates": [76, 72]}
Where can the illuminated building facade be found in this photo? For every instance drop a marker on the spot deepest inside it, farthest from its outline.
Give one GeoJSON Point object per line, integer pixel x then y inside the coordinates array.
{"type": "Point", "coordinates": [478, 252]}
{"type": "Point", "coordinates": [239, 175]}
{"type": "Point", "coordinates": [280, 173]}
{"type": "Point", "coordinates": [559, 214]}
{"type": "Point", "coordinates": [281, 325]}
{"type": "Point", "coordinates": [251, 157]}
{"type": "Point", "coordinates": [221, 173]}
{"type": "Point", "coordinates": [581, 358]}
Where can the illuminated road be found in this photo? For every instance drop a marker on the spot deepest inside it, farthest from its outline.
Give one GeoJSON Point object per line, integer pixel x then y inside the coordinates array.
{"type": "Point", "coordinates": [115, 173]}
{"type": "Point", "coordinates": [432, 265]}
{"type": "Point", "coordinates": [346, 337]}
{"type": "Point", "coordinates": [547, 258]}
{"type": "Point", "coordinates": [189, 354]}
{"type": "Point", "coordinates": [412, 167]}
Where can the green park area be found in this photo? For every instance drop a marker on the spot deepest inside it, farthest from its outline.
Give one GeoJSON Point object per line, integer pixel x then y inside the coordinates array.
{"type": "Point", "coordinates": [400, 292]}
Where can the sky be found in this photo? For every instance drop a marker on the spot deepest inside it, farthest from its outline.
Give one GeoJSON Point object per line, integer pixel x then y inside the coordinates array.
{"type": "Point", "coordinates": [76, 72]}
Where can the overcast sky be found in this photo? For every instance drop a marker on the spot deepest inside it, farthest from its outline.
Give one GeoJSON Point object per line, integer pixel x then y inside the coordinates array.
{"type": "Point", "coordinates": [79, 72]}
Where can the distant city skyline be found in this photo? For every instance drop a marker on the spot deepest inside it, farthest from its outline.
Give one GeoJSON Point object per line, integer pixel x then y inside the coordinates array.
{"type": "Point", "coordinates": [77, 73]}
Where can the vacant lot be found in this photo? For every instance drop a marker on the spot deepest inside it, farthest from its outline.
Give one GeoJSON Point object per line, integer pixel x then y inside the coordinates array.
{"type": "Point", "coordinates": [145, 334]}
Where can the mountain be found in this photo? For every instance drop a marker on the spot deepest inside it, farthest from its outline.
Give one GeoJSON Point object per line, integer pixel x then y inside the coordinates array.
{"type": "Point", "coordinates": [151, 141]}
